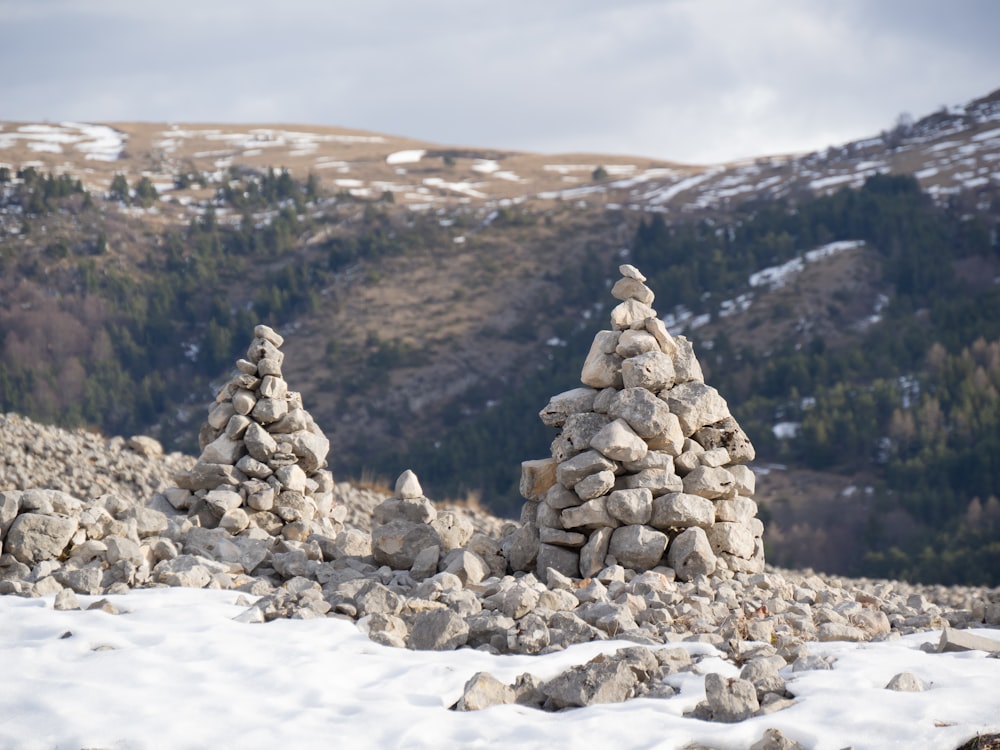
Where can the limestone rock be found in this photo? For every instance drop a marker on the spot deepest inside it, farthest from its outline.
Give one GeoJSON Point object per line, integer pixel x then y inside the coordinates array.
{"type": "Point", "coordinates": [397, 543]}
{"type": "Point", "coordinates": [631, 506]}
{"type": "Point", "coordinates": [576, 401]}
{"type": "Point", "coordinates": [906, 682]}
{"type": "Point", "coordinates": [33, 537]}
{"type": "Point", "coordinates": [729, 435]}
{"type": "Point", "coordinates": [696, 405]}
{"type": "Point", "coordinates": [601, 680]}
{"type": "Point", "coordinates": [595, 485]}
{"type": "Point", "coordinates": [627, 288]}
{"type": "Point", "coordinates": [438, 630]}
{"type": "Point", "coordinates": [593, 513]}
{"type": "Point", "coordinates": [632, 343]}
{"type": "Point", "coordinates": [580, 429]}
{"type": "Point", "coordinates": [482, 691]}
{"type": "Point", "coordinates": [561, 559]}
{"type": "Point", "coordinates": [734, 538]}
{"type": "Point", "coordinates": [602, 368]}
{"type": "Point", "coordinates": [709, 483]}
{"type": "Point", "coordinates": [647, 415]}
{"type": "Point", "coordinates": [593, 553]}
{"type": "Point", "coordinates": [637, 546]}
{"type": "Point", "coordinates": [619, 442]}
{"type": "Point", "coordinates": [680, 510]}
{"type": "Point", "coordinates": [571, 472]}
{"type": "Point", "coordinates": [10, 505]}
{"type": "Point", "coordinates": [691, 555]}
{"type": "Point", "coordinates": [686, 366]}
{"type": "Point", "coordinates": [960, 640]}
{"type": "Point", "coordinates": [773, 739]}
{"type": "Point", "coordinates": [653, 371]}
{"type": "Point", "coordinates": [730, 700]}
{"type": "Point", "coordinates": [630, 313]}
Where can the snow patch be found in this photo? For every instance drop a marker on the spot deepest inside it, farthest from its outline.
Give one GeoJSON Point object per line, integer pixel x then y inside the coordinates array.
{"type": "Point", "coordinates": [409, 156]}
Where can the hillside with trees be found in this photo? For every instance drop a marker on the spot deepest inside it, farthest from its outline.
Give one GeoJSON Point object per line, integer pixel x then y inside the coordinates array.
{"type": "Point", "coordinates": [431, 337]}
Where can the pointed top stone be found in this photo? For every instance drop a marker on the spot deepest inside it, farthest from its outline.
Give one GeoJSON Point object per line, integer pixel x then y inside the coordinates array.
{"type": "Point", "coordinates": [408, 486]}
{"type": "Point", "coordinates": [630, 272]}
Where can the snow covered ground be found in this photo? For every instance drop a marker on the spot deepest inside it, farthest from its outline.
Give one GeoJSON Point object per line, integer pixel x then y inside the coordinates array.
{"type": "Point", "coordinates": [175, 670]}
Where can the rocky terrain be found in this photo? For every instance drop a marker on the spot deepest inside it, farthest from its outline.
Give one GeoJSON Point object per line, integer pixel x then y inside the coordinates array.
{"type": "Point", "coordinates": [258, 512]}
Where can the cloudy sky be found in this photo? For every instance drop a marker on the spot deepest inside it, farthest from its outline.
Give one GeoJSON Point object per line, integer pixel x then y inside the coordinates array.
{"type": "Point", "coordinates": [685, 80]}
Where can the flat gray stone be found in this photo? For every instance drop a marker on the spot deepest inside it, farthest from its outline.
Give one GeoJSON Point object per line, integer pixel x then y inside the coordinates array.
{"type": "Point", "coordinates": [962, 640]}
{"type": "Point", "coordinates": [438, 630]}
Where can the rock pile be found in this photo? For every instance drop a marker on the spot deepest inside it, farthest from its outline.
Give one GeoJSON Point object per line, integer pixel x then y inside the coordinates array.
{"type": "Point", "coordinates": [263, 458]}
{"type": "Point", "coordinates": [647, 470]}
{"type": "Point", "coordinates": [83, 463]}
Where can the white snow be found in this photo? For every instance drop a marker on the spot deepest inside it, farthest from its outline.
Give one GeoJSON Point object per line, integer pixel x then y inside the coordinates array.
{"type": "Point", "coordinates": [463, 188]}
{"type": "Point", "coordinates": [832, 248]}
{"type": "Point", "coordinates": [666, 194]}
{"type": "Point", "coordinates": [486, 166]}
{"type": "Point", "coordinates": [987, 135]}
{"type": "Point", "coordinates": [95, 141]}
{"type": "Point", "coordinates": [409, 156]}
{"type": "Point", "coordinates": [776, 277]}
{"type": "Point", "coordinates": [786, 430]}
{"type": "Point", "coordinates": [174, 670]}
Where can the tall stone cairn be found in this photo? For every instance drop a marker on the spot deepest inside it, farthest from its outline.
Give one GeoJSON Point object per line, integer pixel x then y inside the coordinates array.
{"type": "Point", "coordinates": [263, 458]}
{"type": "Point", "coordinates": [647, 470]}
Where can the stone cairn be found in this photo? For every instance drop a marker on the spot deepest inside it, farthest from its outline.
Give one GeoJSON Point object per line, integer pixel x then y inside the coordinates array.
{"type": "Point", "coordinates": [263, 458]}
{"type": "Point", "coordinates": [648, 469]}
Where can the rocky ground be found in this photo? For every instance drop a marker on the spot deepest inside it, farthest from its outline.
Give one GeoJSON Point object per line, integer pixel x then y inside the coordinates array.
{"type": "Point", "coordinates": [85, 515]}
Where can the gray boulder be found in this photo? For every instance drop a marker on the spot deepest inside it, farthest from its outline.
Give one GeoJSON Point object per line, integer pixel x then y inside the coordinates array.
{"type": "Point", "coordinates": [679, 510]}
{"type": "Point", "coordinates": [646, 414]}
{"type": "Point", "coordinates": [730, 700]}
{"type": "Point", "coordinates": [653, 371]}
{"type": "Point", "coordinates": [569, 402]}
{"type": "Point", "coordinates": [398, 543]}
{"type": "Point", "coordinates": [637, 546]}
{"type": "Point", "coordinates": [691, 555]}
{"type": "Point", "coordinates": [33, 537]}
{"type": "Point", "coordinates": [438, 630]}
{"type": "Point", "coordinates": [482, 691]}
{"type": "Point", "coordinates": [696, 405]}
{"type": "Point", "coordinates": [601, 680]}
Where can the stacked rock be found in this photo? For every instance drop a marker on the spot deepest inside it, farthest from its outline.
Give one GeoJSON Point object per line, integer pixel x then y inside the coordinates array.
{"type": "Point", "coordinates": [647, 469]}
{"type": "Point", "coordinates": [263, 458]}
{"type": "Point", "coordinates": [409, 533]}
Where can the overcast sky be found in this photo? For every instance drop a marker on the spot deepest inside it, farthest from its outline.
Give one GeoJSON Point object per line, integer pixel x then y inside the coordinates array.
{"type": "Point", "coordinates": [687, 80]}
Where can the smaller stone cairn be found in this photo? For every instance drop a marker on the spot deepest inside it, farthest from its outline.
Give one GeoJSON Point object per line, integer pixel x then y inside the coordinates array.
{"type": "Point", "coordinates": [647, 470]}
{"type": "Point", "coordinates": [263, 458]}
